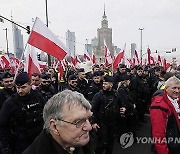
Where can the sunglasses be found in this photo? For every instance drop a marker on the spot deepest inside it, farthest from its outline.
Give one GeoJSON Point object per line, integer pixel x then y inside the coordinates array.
{"type": "Point", "coordinates": [46, 81]}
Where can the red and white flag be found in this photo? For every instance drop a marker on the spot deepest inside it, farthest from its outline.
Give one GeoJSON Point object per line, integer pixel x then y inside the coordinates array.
{"type": "Point", "coordinates": [61, 69]}
{"type": "Point", "coordinates": [14, 64]}
{"type": "Point", "coordinates": [77, 60]}
{"type": "Point", "coordinates": [152, 60]}
{"type": "Point", "coordinates": [43, 64]}
{"type": "Point", "coordinates": [159, 60]}
{"type": "Point", "coordinates": [130, 61]}
{"type": "Point", "coordinates": [166, 65]}
{"type": "Point", "coordinates": [137, 62]}
{"type": "Point", "coordinates": [86, 56]}
{"type": "Point", "coordinates": [108, 56]}
{"type": "Point", "coordinates": [42, 38]}
{"type": "Point", "coordinates": [73, 61]}
{"type": "Point", "coordinates": [6, 61]}
{"type": "Point", "coordinates": [32, 64]}
{"type": "Point", "coordinates": [149, 55]}
{"type": "Point", "coordinates": [118, 59]}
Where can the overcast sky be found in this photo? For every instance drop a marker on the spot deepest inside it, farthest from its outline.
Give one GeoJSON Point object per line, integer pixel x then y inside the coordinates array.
{"type": "Point", "coordinates": [159, 18]}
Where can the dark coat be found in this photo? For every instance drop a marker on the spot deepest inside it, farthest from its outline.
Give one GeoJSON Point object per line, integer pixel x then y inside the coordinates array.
{"type": "Point", "coordinates": [45, 144]}
{"type": "Point", "coordinates": [21, 121]}
{"type": "Point", "coordinates": [5, 94]}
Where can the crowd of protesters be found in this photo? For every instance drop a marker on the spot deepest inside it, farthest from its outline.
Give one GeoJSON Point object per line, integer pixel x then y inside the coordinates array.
{"type": "Point", "coordinates": [119, 100]}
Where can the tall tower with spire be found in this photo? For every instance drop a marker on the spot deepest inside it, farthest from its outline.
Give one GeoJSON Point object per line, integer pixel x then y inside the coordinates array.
{"type": "Point", "coordinates": [104, 33]}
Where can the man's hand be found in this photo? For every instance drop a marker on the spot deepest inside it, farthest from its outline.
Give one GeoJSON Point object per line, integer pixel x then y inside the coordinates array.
{"type": "Point", "coordinates": [95, 127]}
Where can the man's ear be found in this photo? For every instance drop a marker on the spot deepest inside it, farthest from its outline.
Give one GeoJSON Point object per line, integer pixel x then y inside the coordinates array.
{"type": "Point", "coordinates": [53, 127]}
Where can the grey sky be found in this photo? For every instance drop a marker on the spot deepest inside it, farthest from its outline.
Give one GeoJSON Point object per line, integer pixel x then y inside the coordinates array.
{"type": "Point", "coordinates": [159, 18]}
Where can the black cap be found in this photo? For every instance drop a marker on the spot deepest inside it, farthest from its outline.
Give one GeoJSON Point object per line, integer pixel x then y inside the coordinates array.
{"type": "Point", "coordinates": [146, 69]}
{"type": "Point", "coordinates": [96, 66]}
{"type": "Point", "coordinates": [80, 70]}
{"type": "Point", "coordinates": [72, 77]}
{"type": "Point", "coordinates": [157, 69]}
{"type": "Point", "coordinates": [6, 75]}
{"type": "Point", "coordinates": [22, 78]}
{"type": "Point", "coordinates": [122, 66]}
{"type": "Point", "coordinates": [97, 73]}
{"type": "Point", "coordinates": [125, 77]}
{"type": "Point", "coordinates": [45, 76]}
{"type": "Point", "coordinates": [108, 78]}
{"type": "Point", "coordinates": [139, 68]}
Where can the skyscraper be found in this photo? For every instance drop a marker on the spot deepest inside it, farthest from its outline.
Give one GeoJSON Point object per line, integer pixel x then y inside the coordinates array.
{"type": "Point", "coordinates": [70, 42]}
{"type": "Point", "coordinates": [133, 48]}
{"type": "Point", "coordinates": [18, 42]}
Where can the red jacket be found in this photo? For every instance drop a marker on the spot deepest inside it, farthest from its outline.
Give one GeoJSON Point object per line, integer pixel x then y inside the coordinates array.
{"type": "Point", "coordinates": [161, 108]}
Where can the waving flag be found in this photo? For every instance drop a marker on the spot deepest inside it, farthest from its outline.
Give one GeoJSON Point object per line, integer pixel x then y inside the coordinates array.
{"type": "Point", "coordinates": [32, 65]}
{"type": "Point", "coordinates": [137, 58]}
{"type": "Point", "coordinates": [108, 56]}
{"type": "Point", "coordinates": [5, 60]}
{"type": "Point", "coordinates": [159, 60]}
{"type": "Point", "coordinates": [42, 38]}
{"type": "Point", "coordinates": [87, 56]}
{"type": "Point", "coordinates": [118, 59]}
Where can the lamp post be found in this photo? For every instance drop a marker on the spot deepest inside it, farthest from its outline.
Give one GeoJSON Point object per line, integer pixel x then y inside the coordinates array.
{"type": "Point", "coordinates": [49, 57]}
{"type": "Point", "coordinates": [141, 29]}
{"type": "Point", "coordinates": [7, 48]}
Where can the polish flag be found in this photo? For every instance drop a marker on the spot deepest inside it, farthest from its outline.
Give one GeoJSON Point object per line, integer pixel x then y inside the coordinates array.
{"type": "Point", "coordinates": [159, 60]}
{"type": "Point", "coordinates": [130, 61]}
{"type": "Point", "coordinates": [14, 64]}
{"type": "Point", "coordinates": [137, 58]}
{"type": "Point", "coordinates": [108, 56]}
{"type": "Point", "coordinates": [43, 64]}
{"type": "Point", "coordinates": [165, 64]}
{"type": "Point", "coordinates": [61, 69]}
{"type": "Point", "coordinates": [2, 63]}
{"type": "Point", "coordinates": [86, 56]}
{"type": "Point", "coordinates": [77, 60]}
{"type": "Point", "coordinates": [93, 58]}
{"type": "Point", "coordinates": [149, 55]}
{"type": "Point", "coordinates": [42, 38]}
{"type": "Point", "coordinates": [118, 59]}
{"type": "Point", "coordinates": [152, 60]}
{"type": "Point", "coordinates": [65, 62]}
{"type": "Point", "coordinates": [72, 60]}
{"type": "Point", "coordinates": [6, 61]}
{"type": "Point", "coordinates": [32, 64]}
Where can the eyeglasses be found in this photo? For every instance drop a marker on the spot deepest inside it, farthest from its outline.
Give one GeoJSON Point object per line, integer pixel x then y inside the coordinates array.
{"type": "Point", "coordinates": [80, 123]}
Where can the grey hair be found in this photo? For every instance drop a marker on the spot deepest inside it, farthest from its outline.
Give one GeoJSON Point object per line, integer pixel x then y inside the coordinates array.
{"type": "Point", "coordinates": [170, 80]}
{"type": "Point", "coordinates": [54, 107]}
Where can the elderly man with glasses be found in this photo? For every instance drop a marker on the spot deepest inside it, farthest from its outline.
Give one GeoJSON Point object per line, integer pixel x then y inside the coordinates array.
{"type": "Point", "coordinates": [66, 126]}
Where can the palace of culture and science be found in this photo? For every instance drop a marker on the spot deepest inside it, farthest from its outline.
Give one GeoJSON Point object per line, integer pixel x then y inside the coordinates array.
{"type": "Point", "coordinates": [103, 33]}
{"type": "Point", "coordinates": [97, 43]}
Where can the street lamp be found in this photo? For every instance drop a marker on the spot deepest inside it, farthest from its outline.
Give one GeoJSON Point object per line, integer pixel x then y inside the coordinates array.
{"type": "Point", "coordinates": [141, 29]}
{"type": "Point", "coordinates": [7, 48]}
